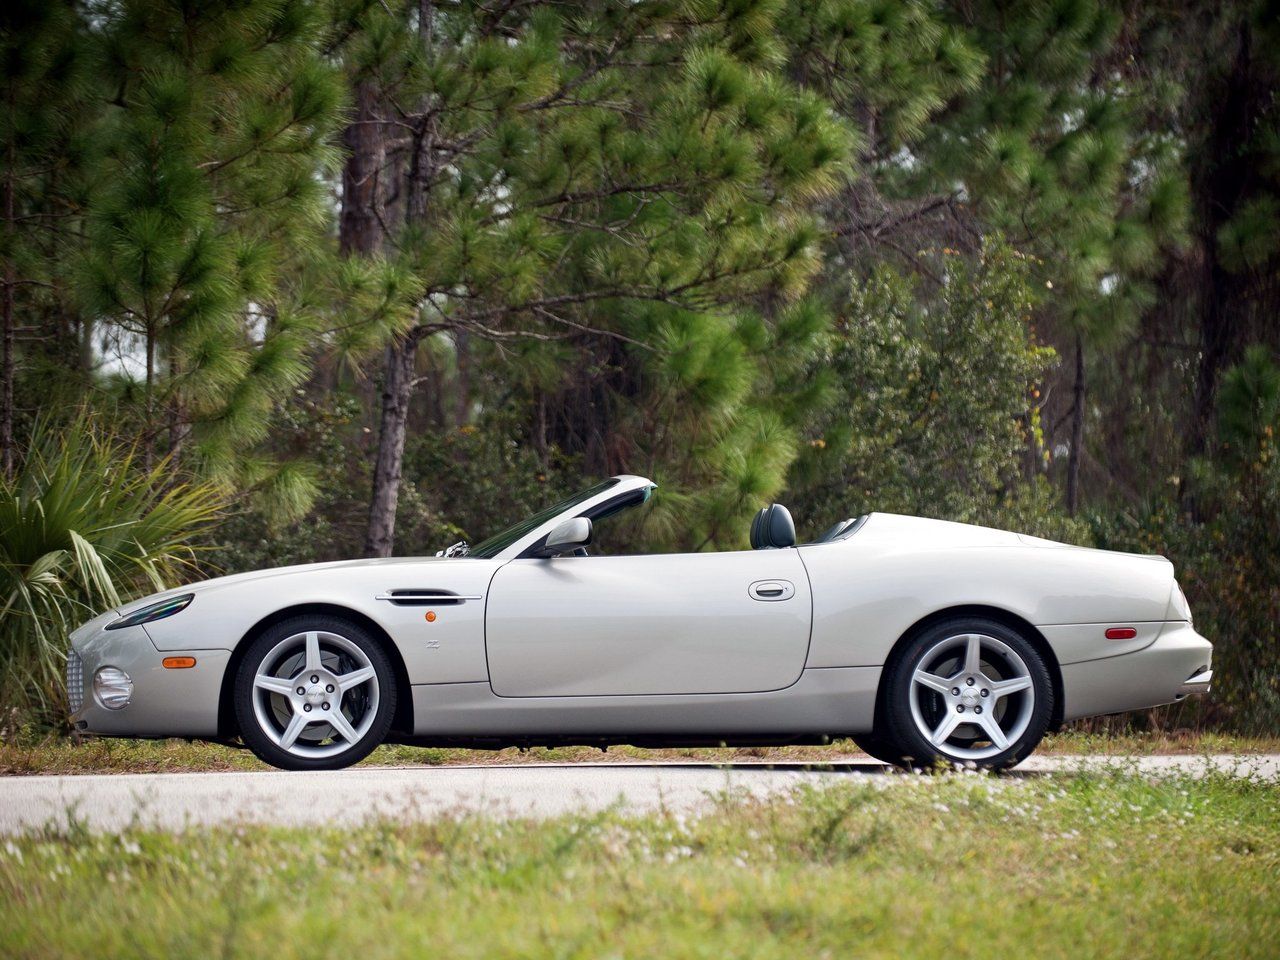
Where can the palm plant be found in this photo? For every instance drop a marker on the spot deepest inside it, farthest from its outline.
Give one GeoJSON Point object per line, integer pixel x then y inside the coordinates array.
{"type": "Point", "coordinates": [83, 527]}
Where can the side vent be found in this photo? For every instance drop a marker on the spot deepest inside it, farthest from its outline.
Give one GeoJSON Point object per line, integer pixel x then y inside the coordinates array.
{"type": "Point", "coordinates": [409, 597]}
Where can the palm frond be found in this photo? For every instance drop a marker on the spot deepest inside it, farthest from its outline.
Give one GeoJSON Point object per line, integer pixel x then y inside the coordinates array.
{"type": "Point", "coordinates": [83, 527]}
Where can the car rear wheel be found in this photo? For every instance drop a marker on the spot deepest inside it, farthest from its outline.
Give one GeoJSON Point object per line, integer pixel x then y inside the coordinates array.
{"type": "Point", "coordinates": [314, 693]}
{"type": "Point", "coordinates": [967, 690]}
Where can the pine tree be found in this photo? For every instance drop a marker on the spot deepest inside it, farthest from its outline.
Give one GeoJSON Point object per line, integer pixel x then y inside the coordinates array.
{"type": "Point", "coordinates": [48, 149]}
{"type": "Point", "coordinates": [629, 173]}
{"type": "Point", "coordinates": [1009, 118]}
{"type": "Point", "coordinates": [209, 213]}
{"type": "Point", "coordinates": [1222, 63]}
{"type": "Point", "coordinates": [1049, 151]}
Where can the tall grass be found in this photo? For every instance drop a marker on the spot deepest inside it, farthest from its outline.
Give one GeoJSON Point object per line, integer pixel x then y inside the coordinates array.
{"type": "Point", "coordinates": [84, 526]}
{"type": "Point", "coordinates": [1105, 865]}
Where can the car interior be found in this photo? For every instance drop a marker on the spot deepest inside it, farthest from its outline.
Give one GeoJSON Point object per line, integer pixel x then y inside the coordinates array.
{"type": "Point", "coordinates": [771, 529]}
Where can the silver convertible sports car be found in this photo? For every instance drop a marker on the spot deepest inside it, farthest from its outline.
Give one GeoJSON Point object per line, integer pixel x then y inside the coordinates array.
{"type": "Point", "coordinates": [921, 639]}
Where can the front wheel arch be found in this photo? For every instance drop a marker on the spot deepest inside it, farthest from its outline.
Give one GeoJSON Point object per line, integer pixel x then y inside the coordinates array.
{"type": "Point", "coordinates": [1010, 620]}
{"type": "Point", "coordinates": [401, 722]}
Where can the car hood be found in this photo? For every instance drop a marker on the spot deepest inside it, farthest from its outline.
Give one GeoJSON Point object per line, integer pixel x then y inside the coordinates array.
{"type": "Point", "coordinates": [214, 583]}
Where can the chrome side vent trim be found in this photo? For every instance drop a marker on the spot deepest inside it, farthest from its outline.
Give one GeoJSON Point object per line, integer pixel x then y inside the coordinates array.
{"type": "Point", "coordinates": [422, 598]}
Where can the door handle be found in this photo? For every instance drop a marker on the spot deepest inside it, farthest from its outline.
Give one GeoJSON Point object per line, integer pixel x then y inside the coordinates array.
{"type": "Point", "coordinates": [772, 590]}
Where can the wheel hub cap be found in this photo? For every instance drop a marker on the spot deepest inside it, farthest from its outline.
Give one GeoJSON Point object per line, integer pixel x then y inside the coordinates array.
{"type": "Point", "coordinates": [971, 696]}
{"type": "Point", "coordinates": [316, 694]}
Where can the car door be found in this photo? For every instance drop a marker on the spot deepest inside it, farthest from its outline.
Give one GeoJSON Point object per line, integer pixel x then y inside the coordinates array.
{"type": "Point", "coordinates": [643, 625]}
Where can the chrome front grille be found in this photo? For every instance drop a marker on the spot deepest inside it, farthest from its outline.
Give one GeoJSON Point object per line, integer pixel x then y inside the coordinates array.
{"type": "Point", "coordinates": [75, 680]}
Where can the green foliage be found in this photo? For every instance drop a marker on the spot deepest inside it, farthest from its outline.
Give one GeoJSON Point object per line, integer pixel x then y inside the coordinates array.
{"type": "Point", "coordinates": [621, 237]}
{"type": "Point", "coordinates": [1228, 552]}
{"type": "Point", "coordinates": [936, 399]}
{"type": "Point", "coordinates": [476, 480]}
{"type": "Point", "coordinates": [209, 208]}
{"type": "Point", "coordinates": [317, 429]}
{"type": "Point", "coordinates": [626, 180]}
{"type": "Point", "coordinates": [890, 65]}
{"type": "Point", "coordinates": [49, 145]}
{"type": "Point", "coordinates": [1249, 410]}
{"type": "Point", "coordinates": [463, 483]}
{"type": "Point", "coordinates": [83, 527]}
{"type": "Point", "coordinates": [1049, 149]}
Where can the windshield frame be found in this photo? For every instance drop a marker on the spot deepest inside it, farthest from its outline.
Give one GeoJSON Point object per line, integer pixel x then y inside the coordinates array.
{"type": "Point", "coordinates": [515, 539]}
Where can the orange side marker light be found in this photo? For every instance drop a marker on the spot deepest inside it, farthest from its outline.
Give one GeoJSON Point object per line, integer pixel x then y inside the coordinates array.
{"type": "Point", "coordinates": [178, 663]}
{"type": "Point", "coordinates": [431, 616]}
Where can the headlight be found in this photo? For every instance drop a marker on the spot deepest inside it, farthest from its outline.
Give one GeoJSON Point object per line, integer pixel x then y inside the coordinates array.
{"type": "Point", "coordinates": [154, 611]}
{"type": "Point", "coordinates": [112, 687]}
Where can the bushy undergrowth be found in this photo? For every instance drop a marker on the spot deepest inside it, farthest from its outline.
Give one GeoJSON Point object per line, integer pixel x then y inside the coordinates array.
{"type": "Point", "coordinates": [1223, 535]}
{"type": "Point", "coordinates": [84, 526]}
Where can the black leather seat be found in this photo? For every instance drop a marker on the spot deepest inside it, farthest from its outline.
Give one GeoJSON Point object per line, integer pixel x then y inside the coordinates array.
{"type": "Point", "coordinates": [773, 528]}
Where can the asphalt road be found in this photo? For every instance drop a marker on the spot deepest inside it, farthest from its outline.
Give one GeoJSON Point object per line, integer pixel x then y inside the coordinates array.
{"type": "Point", "coordinates": [177, 800]}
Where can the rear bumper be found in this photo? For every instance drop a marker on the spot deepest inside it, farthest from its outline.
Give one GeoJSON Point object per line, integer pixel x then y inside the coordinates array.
{"type": "Point", "coordinates": [1176, 665]}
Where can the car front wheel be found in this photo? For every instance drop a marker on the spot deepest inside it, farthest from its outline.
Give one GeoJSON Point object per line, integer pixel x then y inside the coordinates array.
{"type": "Point", "coordinates": [967, 690]}
{"type": "Point", "coordinates": [314, 693]}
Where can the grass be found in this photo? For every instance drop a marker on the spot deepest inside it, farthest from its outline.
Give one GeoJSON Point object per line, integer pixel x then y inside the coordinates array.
{"type": "Point", "coordinates": [963, 865]}
{"type": "Point", "coordinates": [59, 755]}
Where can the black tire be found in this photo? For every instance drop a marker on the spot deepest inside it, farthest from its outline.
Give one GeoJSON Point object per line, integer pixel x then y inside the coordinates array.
{"type": "Point", "coordinates": [275, 706]}
{"type": "Point", "coordinates": [1028, 720]}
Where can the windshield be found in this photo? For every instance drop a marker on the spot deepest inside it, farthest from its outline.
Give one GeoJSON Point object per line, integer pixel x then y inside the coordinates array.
{"type": "Point", "coordinates": [500, 541]}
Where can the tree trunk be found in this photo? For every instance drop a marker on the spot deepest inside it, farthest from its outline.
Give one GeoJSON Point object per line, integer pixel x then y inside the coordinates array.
{"type": "Point", "coordinates": [397, 389]}
{"type": "Point", "coordinates": [149, 442]}
{"type": "Point", "coordinates": [359, 225]}
{"type": "Point", "coordinates": [462, 400]}
{"type": "Point", "coordinates": [1077, 432]}
{"type": "Point", "coordinates": [9, 368]}
{"type": "Point", "coordinates": [360, 220]}
{"type": "Point", "coordinates": [6, 410]}
{"type": "Point", "coordinates": [401, 367]}
{"type": "Point", "coordinates": [1227, 177]}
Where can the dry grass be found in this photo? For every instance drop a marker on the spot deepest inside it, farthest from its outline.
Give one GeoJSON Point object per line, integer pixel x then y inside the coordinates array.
{"type": "Point", "coordinates": [59, 755]}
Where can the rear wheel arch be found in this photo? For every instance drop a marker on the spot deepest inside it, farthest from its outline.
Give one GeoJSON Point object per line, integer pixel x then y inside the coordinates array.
{"type": "Point", "coordinates": [401, 722]}
{"type": "Point", "coordinates": [1000, 615]}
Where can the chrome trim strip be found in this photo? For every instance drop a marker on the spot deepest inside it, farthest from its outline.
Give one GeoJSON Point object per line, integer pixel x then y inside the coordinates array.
{"type": "Point", "coordinates": [426, 595]}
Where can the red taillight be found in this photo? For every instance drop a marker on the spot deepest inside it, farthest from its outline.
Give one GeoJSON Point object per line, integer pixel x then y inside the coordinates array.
{"type": "Point", "coordinates": [1121, 633]}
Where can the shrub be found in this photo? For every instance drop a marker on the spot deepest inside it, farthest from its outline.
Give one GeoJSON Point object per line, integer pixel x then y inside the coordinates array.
{"type": "Point", "coordinates": [83, 527]}
{"type": "Point", "coordinates": [1223, 536]}
{"type": "Point", "coordinates": [936, 398]}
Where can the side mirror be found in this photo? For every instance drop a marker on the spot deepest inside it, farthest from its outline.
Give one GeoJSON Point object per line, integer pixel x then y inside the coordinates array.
{"type": "Point", "coordinates": [567, 537]}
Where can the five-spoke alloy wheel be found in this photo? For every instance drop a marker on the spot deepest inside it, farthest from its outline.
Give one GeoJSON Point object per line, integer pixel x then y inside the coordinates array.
{"type": "Point", "coordinates": [965, 690]}
{"type": "Point", "coordinates": [314, 693]}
